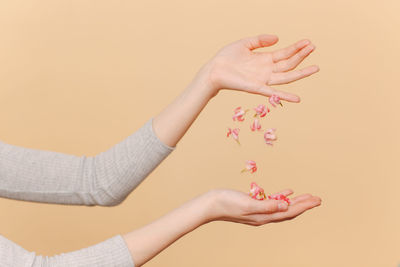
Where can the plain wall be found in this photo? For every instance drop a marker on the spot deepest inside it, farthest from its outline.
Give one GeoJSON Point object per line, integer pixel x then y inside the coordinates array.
{"type": "Point", "coordinates": [79, 76]}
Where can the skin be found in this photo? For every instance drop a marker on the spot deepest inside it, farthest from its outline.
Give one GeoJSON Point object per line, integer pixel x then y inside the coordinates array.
{"type": "Point", "coordinates": [236, 66]}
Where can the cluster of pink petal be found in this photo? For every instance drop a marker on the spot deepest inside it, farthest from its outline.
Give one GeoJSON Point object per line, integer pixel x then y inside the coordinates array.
{"type": "Point", "coordinates": [256, 192]}
{"type": "Point", "coordinates": [255, 125]}
{"type": "Point", "coordinates": [250, 166]}
{"type": "Point", "coordinates": [261, 110]}
{"type": "Point", "coordinates": [274, 100]}
{"type": "Point", "coordinates": [239, 113]}
{"type": "Point", "coordinates": [270, 136]}
{"type": "Point", "coordinates": [234, 133]}
{"type": "Point", "coordinates": [280, 197]}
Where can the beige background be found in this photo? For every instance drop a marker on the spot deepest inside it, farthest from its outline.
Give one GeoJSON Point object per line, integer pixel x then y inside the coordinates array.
{"type": "Point", "coordinates": [79, 76]}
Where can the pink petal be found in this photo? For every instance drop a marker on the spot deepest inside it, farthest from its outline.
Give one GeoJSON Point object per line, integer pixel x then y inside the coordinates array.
{"type": "Point", "coordinates": [250, 164]}
{"type": "Point", "coordinates": [261, 110]}
{"type": "Point", "coordinates": [270, 136]}
{"type": "Point", "coordinates": [255, 125]}
{"type": "Point", "coordinates": [274, 99]}
{"type": "Point", "coordinates": [271, 101]}
{"type": "Point", "coordinates": [239, 113]}
{"type": "Point", "coordinates": [234, 133]}
{"type": "Point", "coordinates": [256, 192]}
{"type": "Point", "coordinates": [229, 132]}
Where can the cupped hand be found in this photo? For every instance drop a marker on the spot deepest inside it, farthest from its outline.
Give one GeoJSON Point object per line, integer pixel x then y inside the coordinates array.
{"type": "Point", "coordinates": [238, 67]}
{"type": "Point", "coordinates": [236, 206]}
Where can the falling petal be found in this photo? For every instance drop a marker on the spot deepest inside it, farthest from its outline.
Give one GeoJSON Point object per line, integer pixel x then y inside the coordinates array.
{"type": "Point", "coordinates": [256, 192]}
{"type": "Point", "coordinates": [234, 133]}
{"type": "Point", "coordinates": [274, 100]}
{"type": "Point", "coordinates": [250, 166]}
{"type": "Point", "coordinates": [270, 136]}
{"type": "Point", "coordinates": [255, 125]}
{"type": "Point", "coordinates": [261, 110]}
{"type": "Point", "coordinates": [239, 114]}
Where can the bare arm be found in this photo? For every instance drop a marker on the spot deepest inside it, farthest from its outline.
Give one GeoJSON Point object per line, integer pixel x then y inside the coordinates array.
{"type": "Point", "coordinates": [138, 247]}
{"type": "Point", "coordinates": [227, 205]}
{"type": "Point", "coordinates": [235, 67]}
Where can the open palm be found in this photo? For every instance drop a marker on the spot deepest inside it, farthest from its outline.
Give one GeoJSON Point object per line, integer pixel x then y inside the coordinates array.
{"type": "Point", "coordinates": [236, 66]}
{"type": "Point", "coordinates": [236, 206]}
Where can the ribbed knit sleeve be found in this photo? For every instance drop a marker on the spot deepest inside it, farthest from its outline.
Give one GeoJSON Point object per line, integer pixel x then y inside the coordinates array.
{"type": "Point", "coordinates": [111, 252]}
{"type": "Point", "coordinates": [105, 179]}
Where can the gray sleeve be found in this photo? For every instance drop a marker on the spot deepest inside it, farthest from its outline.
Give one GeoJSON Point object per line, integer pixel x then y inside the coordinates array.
{"type": "Point", "coordinates": [111, 252]}
{"type": "Point", "coordinates": [105, 179]}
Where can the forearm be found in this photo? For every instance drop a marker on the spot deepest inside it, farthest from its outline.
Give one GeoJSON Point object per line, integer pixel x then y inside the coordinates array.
{"type": "Point", "coordinates": [104, 179]}
{"type": "Point", "coordinates": [111, 252]}
{"type": "Point", "coordinates": [132, 249]}
{"type": "Point", "coordinates": [146, 242]}
{"type": "Point", "coordinates": [173, 122]}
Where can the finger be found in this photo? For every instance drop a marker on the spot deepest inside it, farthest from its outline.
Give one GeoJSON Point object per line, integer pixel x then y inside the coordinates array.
{"type": "Point", "coordinates": [296, 209]}
{"type": "Point", "coordinates": [295, 60]}
{"type": "Point", "coordinates": [259, 206]}
{"type": "Point", "coordinates": [265, 206]}
{"type": "Point", "coordinates": [289, 51]}
{"type": "Point", "coordinates": [262, 40]}
{"type": "Point", "coordinates": [268, 91]}
{"type": "Point", "coordinates": [288, 77]}
{"type": "Point", "coordinates": [286, 192]}
{"type": "Point", "coordinates": [299, 198]}
{"type": "Point", "coordinates": [295, 199]}
{"type": "Point", "coordinates": [291, 213]}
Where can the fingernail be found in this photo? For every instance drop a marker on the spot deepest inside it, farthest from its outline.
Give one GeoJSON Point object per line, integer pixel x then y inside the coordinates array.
{"type": "Point", "coordinates": [282, 206]}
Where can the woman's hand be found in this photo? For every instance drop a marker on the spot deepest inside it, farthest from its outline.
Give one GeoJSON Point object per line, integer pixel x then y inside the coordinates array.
{"type": "Point", "coordinates": [235, 206]}
{"type": "Point", "coordinates": [220, 204]}
{"type": "Point", "coordinates": [237, 67]}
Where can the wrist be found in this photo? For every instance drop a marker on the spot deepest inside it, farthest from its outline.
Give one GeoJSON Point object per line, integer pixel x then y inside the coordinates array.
{"type": "Point", "coordinates": [204, 80]}
{"type": "Point", "coordinates": [211, 204]}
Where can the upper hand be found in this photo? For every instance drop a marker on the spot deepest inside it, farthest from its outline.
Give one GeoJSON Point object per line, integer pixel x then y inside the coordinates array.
{"type": "Point", "coordinates": [236, 206]}
{"type": "Point", "coordinates": [236, 66]}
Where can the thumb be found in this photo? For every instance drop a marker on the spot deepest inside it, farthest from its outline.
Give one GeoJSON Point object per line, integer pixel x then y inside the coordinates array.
{"type": "Point", "coordinates": [267, 206]}
{"type": "Point", "coordinates": [261, 40]}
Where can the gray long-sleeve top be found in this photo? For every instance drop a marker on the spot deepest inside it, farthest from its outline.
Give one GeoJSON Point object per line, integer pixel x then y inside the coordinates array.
{"type": "Point", "coordinates": [52, 177]}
